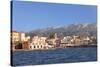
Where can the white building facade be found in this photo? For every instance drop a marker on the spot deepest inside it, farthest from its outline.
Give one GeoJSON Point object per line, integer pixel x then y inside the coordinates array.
{"type": "Point", "coordinates": [38, 43]}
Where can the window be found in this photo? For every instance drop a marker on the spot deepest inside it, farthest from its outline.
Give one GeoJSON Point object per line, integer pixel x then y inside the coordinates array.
{"type": "Point", "coordinates": [41, 46]}
{"type": "Point", "coordinates": [37, 46]}
{"type": "Point", "coordinates": [34, 47]}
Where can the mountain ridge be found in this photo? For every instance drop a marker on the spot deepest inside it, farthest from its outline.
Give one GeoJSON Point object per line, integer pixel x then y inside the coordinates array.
{"type": "Point", "coordinates": [72, 29]}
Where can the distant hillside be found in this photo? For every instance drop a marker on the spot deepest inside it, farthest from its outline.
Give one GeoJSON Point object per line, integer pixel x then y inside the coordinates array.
{"type": "Point", "coordinates": [72, 29]}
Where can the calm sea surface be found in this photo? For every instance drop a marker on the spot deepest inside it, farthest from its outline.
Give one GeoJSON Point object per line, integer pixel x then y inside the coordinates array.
{"type": "Point", "coordinates": [65, 55]}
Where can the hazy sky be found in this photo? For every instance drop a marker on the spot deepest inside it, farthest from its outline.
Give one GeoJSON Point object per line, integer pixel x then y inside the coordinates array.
{"type": "Point", "coordinates": [28, 16]}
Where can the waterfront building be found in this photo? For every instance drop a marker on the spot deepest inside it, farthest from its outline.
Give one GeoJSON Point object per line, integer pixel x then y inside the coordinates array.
{"type": "Point", "coordinates": [93, 39]}
{"type": "Point", "coordinates": [81, 40]}
{"type": "Point", "coordinates": [66, 41]}
{"type": "Point", "coordinates": [15, 36]}
{"type": "Point", "coordinates": [38, 43]}
{"type": "Point", "coordinates": [75, 37]}
{"type": "Point", "coordinates": [76, 41]}
{"type": "Point", "coordinates": [18, 36]}
{"type": "Point", "coordinates": [55, 41]}
{"type": "Point", "coordinates": [25, 45]}
{"type": "Point", "coordinates": [39, 40]}
{"type": "Point", "coordinates": [22, 36]}
{"type": "Point", "coordinates": [39, 47]}
{"type": "Point", "coordinates": [86, 40]}
{"type": "Point", "coordinates": [19, 40]}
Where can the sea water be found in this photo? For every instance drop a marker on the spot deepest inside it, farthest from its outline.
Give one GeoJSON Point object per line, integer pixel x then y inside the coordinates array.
{"type": "Point", "coordinates": [64, 55]}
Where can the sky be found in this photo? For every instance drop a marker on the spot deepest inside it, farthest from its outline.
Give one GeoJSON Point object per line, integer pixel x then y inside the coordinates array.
{"type": "Point", "coordinates": [28, 16]}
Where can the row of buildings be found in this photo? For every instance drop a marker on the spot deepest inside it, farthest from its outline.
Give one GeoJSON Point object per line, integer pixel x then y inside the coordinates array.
{"type": "Point", "coordinates": [21, 41]}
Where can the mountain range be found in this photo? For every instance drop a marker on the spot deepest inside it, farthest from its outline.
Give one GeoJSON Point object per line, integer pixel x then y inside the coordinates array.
{"type": "Point", "coordinates": [67, 30]}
